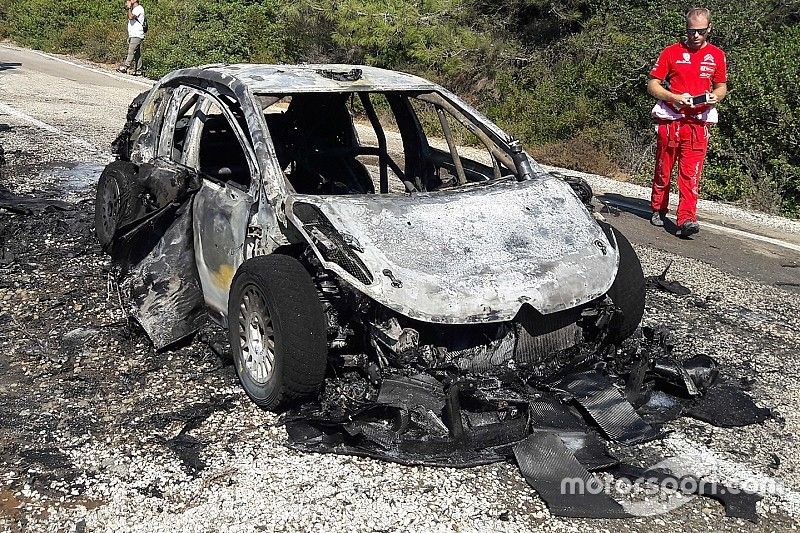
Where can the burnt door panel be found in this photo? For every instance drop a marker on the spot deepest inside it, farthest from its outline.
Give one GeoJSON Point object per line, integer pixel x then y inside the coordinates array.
{"type": "Point", "coordinates": [221, 216]}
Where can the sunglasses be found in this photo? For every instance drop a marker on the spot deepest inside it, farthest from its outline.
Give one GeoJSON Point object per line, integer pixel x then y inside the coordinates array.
{"type": "Point", "coordinates": [692, 31]}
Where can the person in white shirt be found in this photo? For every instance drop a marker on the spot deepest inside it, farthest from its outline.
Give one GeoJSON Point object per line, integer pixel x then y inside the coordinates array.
{"type": "Point", "coordinates": [136, 29]}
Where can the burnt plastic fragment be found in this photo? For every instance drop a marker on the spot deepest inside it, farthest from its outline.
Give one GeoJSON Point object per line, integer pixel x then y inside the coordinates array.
{"type": "Point", "coordinates": [379, 433]}
{"type": "Point", "coordinates": [727, 406]}
{"type": "Point", "coordinates": [703, 370]}
{"type": "Point", "coordinates": [660, 408]}
{"type": "Point", "coordinates": [403, 342]}
{"type": "Point", "coordinates": [300, 431]}
{"type": "Point", "coordinates": [561, 481]}
{"type": "Point", "coordinates": [24, 205]}
{"type": "Point", "coordinates": [660, 282]}
{"type": "Point", "coordinates": [408, 392]}
{"type": "Point", "coordinates": [453, 410]}
{"type": "Point", "coordinates": [635, 388]}
{"type": "Point", "coordinates": [580, 186]}
{"type": "Point", "coordinates": [672, 372]}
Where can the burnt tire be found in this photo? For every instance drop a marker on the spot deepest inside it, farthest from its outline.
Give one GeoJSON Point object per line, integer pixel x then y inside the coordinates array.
{"type": "Point", "coordinates": [628, 290]}
{"type": "Point", "coordinates": [115, 200]}
{"type": "Point", "coordinates": [277, 332]}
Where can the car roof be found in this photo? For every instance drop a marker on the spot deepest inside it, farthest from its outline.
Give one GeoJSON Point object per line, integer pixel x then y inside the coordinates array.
{"type": "Point", "coordinates": [281, 79]}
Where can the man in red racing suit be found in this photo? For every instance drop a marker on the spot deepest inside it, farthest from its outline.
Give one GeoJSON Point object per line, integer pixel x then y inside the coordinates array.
{"type": "Point", "coordinates": [691, 68]}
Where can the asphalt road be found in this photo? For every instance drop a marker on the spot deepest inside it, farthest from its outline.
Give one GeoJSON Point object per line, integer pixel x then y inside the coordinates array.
{"type": "Point", "coordinates": [99, 432]}
{"type": "Point", "coordinates": [745, 256]}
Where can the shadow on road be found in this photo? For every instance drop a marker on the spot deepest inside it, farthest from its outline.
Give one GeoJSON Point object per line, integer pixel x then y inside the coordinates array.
{"type": "Point", "coordinates": [637, 207]}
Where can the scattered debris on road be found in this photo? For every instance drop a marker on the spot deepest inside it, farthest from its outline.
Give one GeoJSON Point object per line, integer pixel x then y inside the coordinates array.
{"type": "Point", "coordinates": [25, 205]}
{"type": "Point", "coordinates": [555, 427]}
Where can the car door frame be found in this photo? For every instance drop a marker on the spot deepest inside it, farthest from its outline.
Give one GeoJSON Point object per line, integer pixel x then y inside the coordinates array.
{"type": "Point", "coordinates": [221, 205]}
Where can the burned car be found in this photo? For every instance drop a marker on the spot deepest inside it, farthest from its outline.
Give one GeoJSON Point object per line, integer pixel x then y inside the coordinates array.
{"type": "Point", "coordinates": [349, 217]}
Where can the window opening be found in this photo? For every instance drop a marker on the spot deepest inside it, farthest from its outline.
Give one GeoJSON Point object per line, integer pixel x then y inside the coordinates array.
{"type": "Point", "coordinates": [220, 155]}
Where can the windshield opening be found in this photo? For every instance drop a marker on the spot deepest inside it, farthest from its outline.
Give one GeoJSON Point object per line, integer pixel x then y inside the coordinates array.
{"type": "Point", "coordinates": [379, 142]}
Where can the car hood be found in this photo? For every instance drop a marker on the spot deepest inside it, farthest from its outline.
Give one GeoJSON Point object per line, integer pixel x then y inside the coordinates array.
{"type": "Point", "coordinates": [475, 254]}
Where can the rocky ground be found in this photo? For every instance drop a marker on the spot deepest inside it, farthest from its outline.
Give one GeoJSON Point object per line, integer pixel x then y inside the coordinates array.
{"type": "Point", "coordinates": [100, 432]}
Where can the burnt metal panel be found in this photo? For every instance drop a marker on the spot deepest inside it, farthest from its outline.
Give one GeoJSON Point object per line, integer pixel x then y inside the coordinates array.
{"type": "Point", "coordinates": [330, 243]}
{"type": "Point", "coordinates": [475, 254]}
{"type": "Point", "coordinates": [161, 290]}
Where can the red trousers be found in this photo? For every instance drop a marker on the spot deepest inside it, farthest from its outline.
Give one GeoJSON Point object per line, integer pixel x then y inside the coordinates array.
{"type": "Point", "coordinates": [686, 142]}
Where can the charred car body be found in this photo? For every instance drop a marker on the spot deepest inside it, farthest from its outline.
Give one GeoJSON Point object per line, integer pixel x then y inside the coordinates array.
{"type": "Point", "coordinates": [418, 236]}
{"type": "Point", "coordinates": [428, 292]}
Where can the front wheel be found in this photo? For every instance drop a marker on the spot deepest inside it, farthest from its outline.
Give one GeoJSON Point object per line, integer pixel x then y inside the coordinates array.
{"type": "Point", "coordinates": [628, 289]}
{"type": "Point", "coordinates": [276, 328]}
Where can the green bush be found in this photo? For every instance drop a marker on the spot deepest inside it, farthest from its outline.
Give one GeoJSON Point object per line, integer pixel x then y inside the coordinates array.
{"type": "Point", "coordinates": [761, 127]}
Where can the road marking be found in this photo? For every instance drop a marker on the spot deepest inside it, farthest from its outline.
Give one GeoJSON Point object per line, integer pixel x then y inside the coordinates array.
{"type": "Point", "coordinates": [724, 229]}
{"type": "Point", "coordinates": [8, 110]}
{"type": "Point", "coordinates": [84, 67]}
{"type": "Point", "coordinates": [726, 470]}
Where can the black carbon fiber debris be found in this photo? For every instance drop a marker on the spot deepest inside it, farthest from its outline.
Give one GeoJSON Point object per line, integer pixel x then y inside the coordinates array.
{"type": "Point", "coordinates": [561, 481]}
{"type": "Point", "coordinates": [408, 392]}
{"type": "Point", "coordinates": [549, 414]}
{"type": "Point", "coordinates": [607, 407]}
{"type": "Point", "coordinates": [557, 431]}
{"type": "Point", "coordinates": [737, 503]}
{"type": "Point", "coordinates": [589, 448]}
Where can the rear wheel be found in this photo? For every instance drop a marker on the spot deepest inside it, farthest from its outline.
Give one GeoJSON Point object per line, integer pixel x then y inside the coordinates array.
{"type": "Point", "coordinates": [276, 327]}
{"type": "Point", "coordinates": [115, 201]}
{"type": "Point", "coordinates": [628, 290]}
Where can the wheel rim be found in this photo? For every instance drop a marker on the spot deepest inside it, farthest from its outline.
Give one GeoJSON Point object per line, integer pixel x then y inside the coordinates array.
{"type": "Point", "coordinates": [110, 206]}
{"type": "Point", "coordinates": [256, 336]}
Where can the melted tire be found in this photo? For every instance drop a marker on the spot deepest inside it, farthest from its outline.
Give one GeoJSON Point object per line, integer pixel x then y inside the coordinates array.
{"type": "Point", "coordinates": [113, 209]}
{"type": "Point", "coordinates": [628, 289]}
{"type": "Point", "coordinates": [298, 325]}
